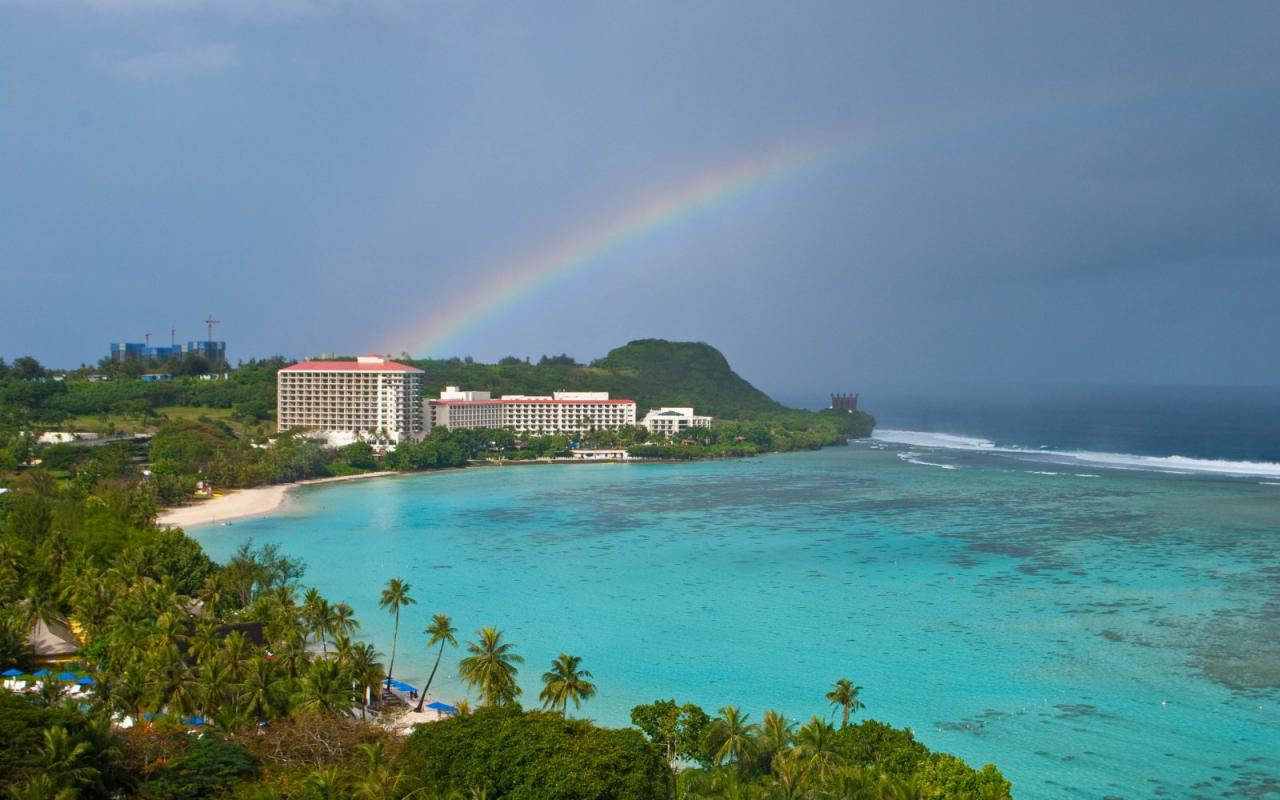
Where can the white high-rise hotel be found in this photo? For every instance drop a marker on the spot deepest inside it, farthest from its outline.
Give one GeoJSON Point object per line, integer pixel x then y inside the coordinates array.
{"type": "Point", "coordinates": [562, 412]}
{"type": "Point", "coordinates": [369, 398]}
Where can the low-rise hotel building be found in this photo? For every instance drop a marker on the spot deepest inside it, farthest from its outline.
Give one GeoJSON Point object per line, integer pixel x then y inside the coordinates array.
{"type": "Point", "coordinates": [671, 421]}
{"type": "Point", "coordinates": [370, 399]}
{"type": "Point", "coordinates": [559, 413]}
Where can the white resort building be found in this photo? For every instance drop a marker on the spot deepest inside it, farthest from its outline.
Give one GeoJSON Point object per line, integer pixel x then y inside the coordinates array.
{"type": "Point", "coordinates": [562, 412]}
{"type": "Point", "coordinates": [371, 398]}
{"type": "Point", "coordinates": [671, 421]}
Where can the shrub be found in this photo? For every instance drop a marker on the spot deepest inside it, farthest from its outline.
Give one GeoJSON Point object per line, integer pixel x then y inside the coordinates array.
{"type": "Point", "coordinates": [516, 755]}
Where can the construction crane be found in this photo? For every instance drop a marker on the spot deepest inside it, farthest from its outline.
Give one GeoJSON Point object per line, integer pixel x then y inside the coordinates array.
{"type": "Point", "coordinates": [146, 337]}
{"type": "Point", "coordinates": [211, 322]}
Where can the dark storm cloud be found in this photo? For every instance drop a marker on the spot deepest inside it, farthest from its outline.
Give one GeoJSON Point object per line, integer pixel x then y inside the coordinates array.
{"type": "Point", "coordinates": [1079, 192]}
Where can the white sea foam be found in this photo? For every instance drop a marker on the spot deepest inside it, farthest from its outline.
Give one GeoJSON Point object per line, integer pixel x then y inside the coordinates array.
{"type": "Point", "coordinates": [913, 458]}
{"type": "Point", "coordinates": [1174, 465]}
{"type": "Point", "coordinates": [930, 464]}
{"type": "Point", "coordinates": [923, 439]}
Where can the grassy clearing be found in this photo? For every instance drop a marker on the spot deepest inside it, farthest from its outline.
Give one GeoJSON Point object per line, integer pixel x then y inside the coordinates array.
{"type": "Point", "coordinates": [133, 423]}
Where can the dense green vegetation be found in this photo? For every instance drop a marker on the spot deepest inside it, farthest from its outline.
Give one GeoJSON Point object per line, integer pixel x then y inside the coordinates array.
{"type": "Point", "coordinates": [289, 698]}
{"type": "Point", "coordinates": [220, 430]}
{"type": "Point", "coordinates": [249, 392]}
{"type": "Point", "coordinates": [507, 753]}
{"type": "Point", "coordinates": [731, 757]}
{"type": "Point", "coordinates": [657, 373]}
{"type": "Point", "coordinates": [653, 372]}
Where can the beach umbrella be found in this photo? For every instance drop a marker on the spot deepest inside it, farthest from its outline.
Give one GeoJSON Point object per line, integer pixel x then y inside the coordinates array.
{"type": "Point", "coordinates": [445, 707]}
{"type": "Point", "coordinates": [40, 673]}
{"type": "Point", "coordinates": [66, 676]}
{"type": "Point", "coordinates": [11, 673]}
{"type": "Point", "coordinates": [85, 681]}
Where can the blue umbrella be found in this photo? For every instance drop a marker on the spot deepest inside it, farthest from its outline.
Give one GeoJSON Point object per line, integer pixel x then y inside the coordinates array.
{"type": "Point", "coordinates": [41, 673]}
{"type": "Point", "coordinates": [85, 681]}
{"type": "Point", "coordinates": [11, 673]}
{"type": "Point", "coordinates": [193, 721]}
{"type": "Point", "coordinates": [67, 676]}
{"type": "Point", "coordinates": [148, 716]}
{"type": "Point", "coordinates": [445, 707]}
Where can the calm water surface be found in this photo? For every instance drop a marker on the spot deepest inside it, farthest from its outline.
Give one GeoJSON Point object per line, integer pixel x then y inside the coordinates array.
{"type": "Point", "coordinates": [1113, 635]}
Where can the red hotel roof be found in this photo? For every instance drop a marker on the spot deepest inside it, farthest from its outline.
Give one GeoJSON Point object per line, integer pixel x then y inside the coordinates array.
{"type": "Point", "coordinates": [527, 402]}
{"type": "Point", "coordinates": [349, 366]}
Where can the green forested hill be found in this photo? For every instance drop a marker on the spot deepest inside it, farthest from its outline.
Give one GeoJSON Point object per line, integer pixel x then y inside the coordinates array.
{"type": "Point", "coordinates": [653, 372]}
{"type": "Point", "coordinates": [660, 373]}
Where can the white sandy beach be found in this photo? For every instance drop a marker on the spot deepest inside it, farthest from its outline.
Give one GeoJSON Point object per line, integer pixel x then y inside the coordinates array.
{"type": "Point", "coordinates": [243, 503]}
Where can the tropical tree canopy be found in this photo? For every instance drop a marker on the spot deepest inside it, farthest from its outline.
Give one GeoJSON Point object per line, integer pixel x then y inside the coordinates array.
{"type": "Point", "coordinates": [491, 669]}
{"type": "Point", "coordinates": [566, 681]}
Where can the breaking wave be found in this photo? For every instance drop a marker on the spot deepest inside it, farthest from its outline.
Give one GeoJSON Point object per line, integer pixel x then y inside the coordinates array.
{"type": "Point", "coordinates": [912, 458]}
{"type": "Point", "coordinates": [1173, 465]}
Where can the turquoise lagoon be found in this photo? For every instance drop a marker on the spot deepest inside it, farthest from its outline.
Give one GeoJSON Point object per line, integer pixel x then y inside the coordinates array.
{"type": "Point", "coordinates": [1094, 633]}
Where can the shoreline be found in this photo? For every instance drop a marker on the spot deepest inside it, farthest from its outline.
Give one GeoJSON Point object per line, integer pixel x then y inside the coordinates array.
{"type": "Point", "coordinates": [260, 500]}
{"type": "Point", "coordinates": [242, 503]}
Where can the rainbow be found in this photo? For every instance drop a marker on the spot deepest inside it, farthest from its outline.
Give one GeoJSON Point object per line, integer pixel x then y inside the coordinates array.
{"type": "Point", "coordinates": [515, 282]}
{"type": "Point", "coordinates": [512, 283]}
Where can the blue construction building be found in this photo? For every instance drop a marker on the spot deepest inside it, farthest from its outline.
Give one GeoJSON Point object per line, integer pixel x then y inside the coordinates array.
{"type": "Point", "coordinates": [214, 352]}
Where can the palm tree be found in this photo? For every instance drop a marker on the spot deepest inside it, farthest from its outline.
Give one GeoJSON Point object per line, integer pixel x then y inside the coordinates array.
{"type": "Point", "coordinates": [491, 668]}
{"type": "Point", "coordinates": [63, 758]}
{"type": "Point", "coordinates": [442, 633]}
{"type": "Point", "coordinates": [317, 615]}
{"type": "Point", "coordinates": [905, 789]}
{"type": "Point", "coordinates": [731, 736]}
{"type": "Point", "coordinates": [342, 645]}
{"type": "Point", "coordinates": [291, 654]}
{"type": "Point", "coordinates": [342, 621]}
{"type": "Point", "coordinates": [213, 685]}
{"type": "Point", "coordinates": [845, 695]}
{"type": "Point", "coordinates": [380, 780]}
{"type": "Point", "coordinates": [41, 787]}
{"type": "Point", "coordinates": [204, 642]}
{"type": "Point", "coordinates": [854, 782]}
{"type": "Point", "coordinates": [365, 671]}
{"type": "Point", "coordinates": [816, 743]}
{"type": "Point", "coordinates": [565, 682]}
{"type": "Point", "coordinates": [322, 689]}
{"type": "Point", "coordinates": [395, 597]}
{"type": "Point", "coordinates": [721, 784]}
{"type": "Point", "coordinates": [125, 691]}
{"type": "Point", "coordinates": [791, 776]}
{"type": "Point", "coordinates": [775, 735]}
{"type": "Point", "coordinates": [235, 653]}
{"type": "Point", "coordinates": [327, 783]}
{"type": "Point", "coordinates": [170, 683]}
{"type": "Point", "coordinates": [261, 690]}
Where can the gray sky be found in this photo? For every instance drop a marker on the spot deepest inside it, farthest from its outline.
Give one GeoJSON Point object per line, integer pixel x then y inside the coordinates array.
{"type": "Point", "coordinates": [1086, 192]}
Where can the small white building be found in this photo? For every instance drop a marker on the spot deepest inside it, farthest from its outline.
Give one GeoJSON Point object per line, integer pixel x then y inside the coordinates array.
{"type": "Point", "coordinates": [600, 455]}
{"type": "Point", "coordinates": [63, 437]}
{"type": "Point", "coordinates": [671, 421]}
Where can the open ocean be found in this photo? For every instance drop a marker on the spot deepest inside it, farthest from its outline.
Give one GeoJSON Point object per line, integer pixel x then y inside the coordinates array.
{"type": "Point", "coordinates": [1081, 587]}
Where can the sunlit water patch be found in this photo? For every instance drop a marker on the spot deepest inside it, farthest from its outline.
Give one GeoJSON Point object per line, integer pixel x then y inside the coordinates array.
{"type": "Point", "coordinates": [1108, 633]}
